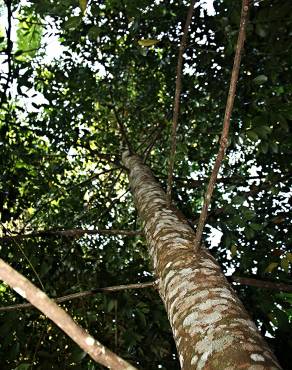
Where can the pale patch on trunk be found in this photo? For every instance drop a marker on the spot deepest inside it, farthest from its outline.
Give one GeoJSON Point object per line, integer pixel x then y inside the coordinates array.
{"type": "Point", "coordinates": [211, 328]}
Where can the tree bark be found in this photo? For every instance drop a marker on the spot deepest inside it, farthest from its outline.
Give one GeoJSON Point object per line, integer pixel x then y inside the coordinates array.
{"type": "Point", "coordinates": [211, 328]}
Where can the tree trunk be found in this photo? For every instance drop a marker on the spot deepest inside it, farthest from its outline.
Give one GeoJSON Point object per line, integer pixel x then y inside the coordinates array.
{"type": "Point", "coordinates": [211, 328]}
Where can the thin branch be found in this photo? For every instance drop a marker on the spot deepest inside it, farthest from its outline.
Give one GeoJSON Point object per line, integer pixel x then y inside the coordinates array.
{"type": "Point", "coordinates": [29, 261]}
{"type": "Point", "coordinates": [226, 122]}
{"type": "Point", "coordinates": [149, 147]}
{"type": "Point", "coordinates": [264, 184]}
{"type": "Point", "coordinates": [176, 104]}
{"type": "Point", "coordinates": [121, 126]}
{"type": "Point", "coordinates": [84, 294]}
{"type": "Point", "coordinates": [232, 180]}
{"type": "Point", "coordinates": [93, 177]}
{"type": "Point", "coordinates": [60, 317]}
{"type": "Point", "coordinates": [8, 51]}
{"type": "Point", "coordinates": [263, 284]}
{"type": "Point", "coordinates": [147, 136]}
{"type": "Point", "coordinates": [70, 233]}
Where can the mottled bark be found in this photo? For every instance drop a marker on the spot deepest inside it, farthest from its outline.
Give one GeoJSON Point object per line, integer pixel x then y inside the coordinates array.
{"type": "Point", "coordinates": [211, 328]}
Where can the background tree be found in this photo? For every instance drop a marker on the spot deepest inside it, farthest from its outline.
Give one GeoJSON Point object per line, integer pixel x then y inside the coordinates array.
{"type": "Point", "coordinates": [60, 136]}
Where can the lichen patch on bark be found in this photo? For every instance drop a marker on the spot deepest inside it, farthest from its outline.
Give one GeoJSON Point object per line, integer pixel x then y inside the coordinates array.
{"type": "Point", "coordinates": [211, 328]}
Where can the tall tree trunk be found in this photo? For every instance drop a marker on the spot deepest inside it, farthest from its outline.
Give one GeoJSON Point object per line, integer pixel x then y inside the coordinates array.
{"type": "Point", "coordinates": [211, 328]}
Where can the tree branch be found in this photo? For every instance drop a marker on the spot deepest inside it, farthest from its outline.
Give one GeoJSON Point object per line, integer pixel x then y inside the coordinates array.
{"type": "Point", "coordinates": [232, 180]}
{"type": "Point", "coordinates": [86, 293]}
{"type": "Point", "coordinates": [41, 301]}
{"type": "Point", "coordinates": [263, 284]}
{"type": "Point", "coordinates": [176, 104]}
{"type": "Point", "coordinates": [70, 233]}
{"type": "Point", "coordinates": [226, 122]}
{"type": "Point", "coordinates": [121, 126]}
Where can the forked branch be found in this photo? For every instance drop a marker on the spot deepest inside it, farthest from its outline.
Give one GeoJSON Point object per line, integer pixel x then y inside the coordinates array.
{"type": "Point", "coordinates": [226, 122]}
{"type": "Point", "coordinates": [41, 301]}
{"type": "Point", "coordinates": [176, 104]}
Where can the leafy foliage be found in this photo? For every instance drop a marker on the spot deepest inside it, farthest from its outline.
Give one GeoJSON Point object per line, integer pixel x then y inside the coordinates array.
{"type": "Point", "coordinates": [60, 164]}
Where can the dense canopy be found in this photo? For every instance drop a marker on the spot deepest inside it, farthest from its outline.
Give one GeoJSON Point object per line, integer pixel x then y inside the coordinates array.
{"type": "Point", "coordinates": [79, 81]}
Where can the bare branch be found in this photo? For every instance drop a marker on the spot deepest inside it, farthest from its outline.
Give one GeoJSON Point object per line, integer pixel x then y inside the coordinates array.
{"type": "Point", "coordinates": [121, 126]}
{"type": "Point", "coordinates": [232, 180]}
{"type": "Point", "coordinates": [151, 144]}
{"type": "Point", "coordinates": [70, 233]}
{"type": "Point", "coordinates": [176, 104]}
{"type": "Point", "coordinates": [84, 294]}
{"type": "Point", "coordinates": [263, 284]}
{"type": "Point", "coordinates": [41, 301]}
{"type": "Point", "coordinates": [226, 122]}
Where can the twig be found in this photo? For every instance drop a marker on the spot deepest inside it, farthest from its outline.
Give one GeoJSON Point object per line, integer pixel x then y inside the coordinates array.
{"type": "Point", "coordinates": [30, 263]}
{"type": "Point", "coordinates": [93, 177]}
{"type": "Point", "coordinates": [60, 317]}
{"type": "Point", "coordinates": [263, 284]}
{"type": "Point", "coordinates": [149, 141]}
{"type": "Point", "coordinates": [86, 293]}
{"type": "Point", "coordinates": [226, 122]}
{"type": "Point", "coordinates": [121, 126]}
{"type": "Point", "coordinates": [70, 233]}
{"type": "Point", "coordinates": [149, 147]}
{"type": "Point", "coordinates": [177, 98]}
{"type": "Point", "coordinates": [8, 50]}
{"type": "Point", "coordinates": [232, 180]}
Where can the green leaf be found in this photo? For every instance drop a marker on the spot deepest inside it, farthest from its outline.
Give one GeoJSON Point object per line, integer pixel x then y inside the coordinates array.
{"type": "Point", "coordinates": [83, 5]}
{"type": "Point", "coordinates": [93, 32]}
{"type": "Point", "coordinates": [238, 199]}
{"type": "Point", "coordinates": [24, 366]}
{"type": "Point", "coordinates": [252, 135]}
{"type": "Point", "coordinates": [256, 227]}
{"type": "Point", "coordinates": [29, 35]}
{"type": "Point", "coordinates": [289, 257]}
{"type": "Point", "coordinates": [261, 79]}
{"type": "Point", "coordinates": [285, 264]}
{"type": "Point", "coordinates": [249, 214]}
{"type": "Point", "coordinates": [274, 147]}
{"type": "Point", "coordinates": [249, 233]}
{"type": "Point", "coordinates": [141, 317]}
{"type": "Point", "coordinates": [264, 147]}
{"type": "Point", "coordinates": [78, 355]}
{"type": "Point", "coordinates": [233, 250]}
{"type": "Point", "coordinates": [73, 22]}
{"type": "Point", "coordinates": [271, 267]}
{"type": "Point", "coordinates": [262, 131]}
{"type": "Point", "coordinates": [147, 42]}
{"type": "Point", "coordinates": [260, 30]}
{"type": "Point", "coordinates": [111, 304]}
